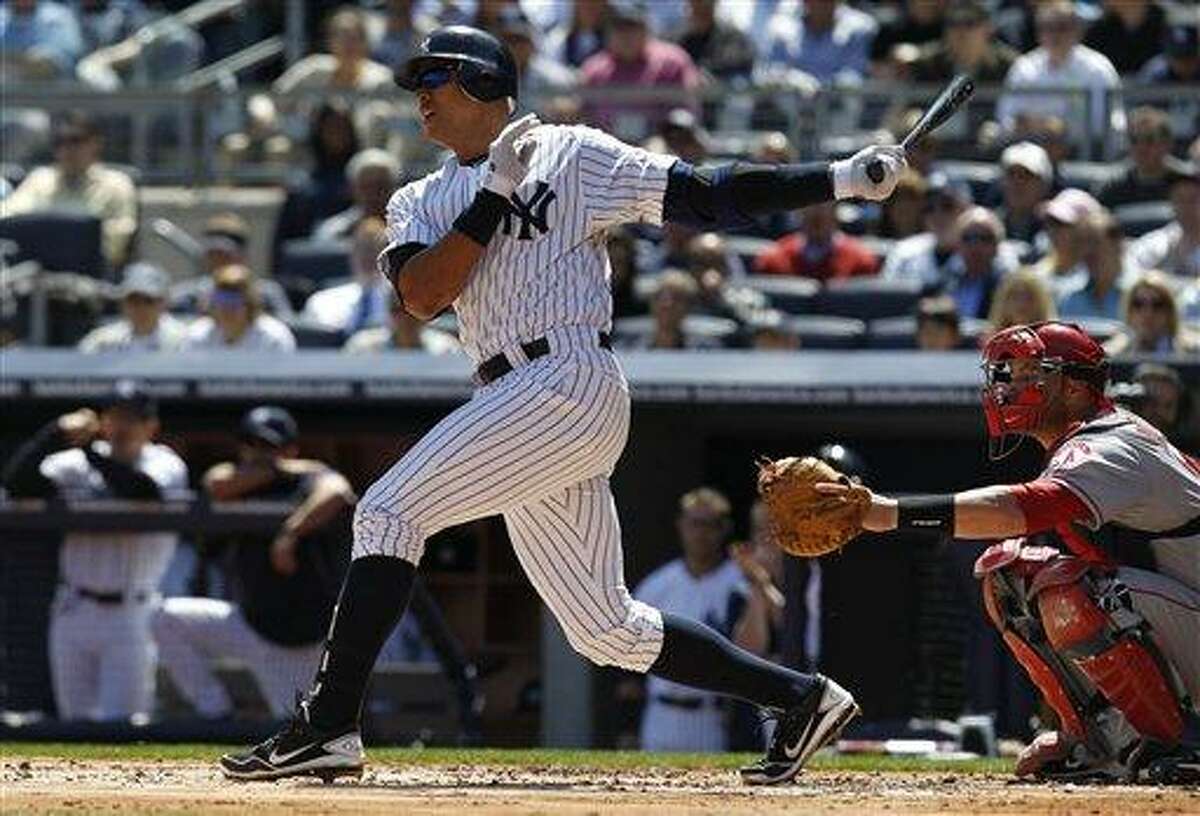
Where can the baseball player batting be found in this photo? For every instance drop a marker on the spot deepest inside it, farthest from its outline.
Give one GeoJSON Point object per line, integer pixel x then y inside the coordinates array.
{"type": "Point", "coordinates": [510, 232]}
{"type": "Point", "coordinates": [1107, 626]}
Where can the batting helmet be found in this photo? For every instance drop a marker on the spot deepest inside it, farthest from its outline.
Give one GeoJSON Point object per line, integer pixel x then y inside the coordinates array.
{"type": "Point", "coordinates": [269, 424]}
{"type": "Point", "coordinates": [485, 67]}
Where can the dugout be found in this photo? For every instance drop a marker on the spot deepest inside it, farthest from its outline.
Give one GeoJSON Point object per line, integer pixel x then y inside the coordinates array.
{"type": "Point", "coordinates": [894, 616]}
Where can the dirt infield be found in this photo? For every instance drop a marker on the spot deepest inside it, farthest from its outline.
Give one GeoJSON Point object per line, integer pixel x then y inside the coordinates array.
{"type": "Point", "coordinates": [58, 785]}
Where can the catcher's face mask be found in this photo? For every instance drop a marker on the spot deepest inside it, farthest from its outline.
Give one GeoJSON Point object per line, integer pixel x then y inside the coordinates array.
{"type": "Point", "coordinates": [1016, 372]}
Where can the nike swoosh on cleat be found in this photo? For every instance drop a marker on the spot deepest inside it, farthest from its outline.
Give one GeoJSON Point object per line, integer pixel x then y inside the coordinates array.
{"type": "Point", "coordinates": [277, 759]}
{"type": "Point", "coordinates": [792, 751]}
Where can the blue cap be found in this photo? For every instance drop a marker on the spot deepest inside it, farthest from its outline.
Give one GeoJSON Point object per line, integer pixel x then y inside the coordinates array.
{"type": "Point", "coordinates": [270, 424]}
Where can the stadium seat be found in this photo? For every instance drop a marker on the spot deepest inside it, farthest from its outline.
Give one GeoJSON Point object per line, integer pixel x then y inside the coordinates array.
{"type": "Point", "coordinates": [39, 237]}
{"type": "Point", "coordinates": [1138, 219]}
{"type": "Point", "coordinates": [822, 332]}
{"type": "Point", "coordinates": [791, 295]}
{"type": "Point", "coordinates": [746, 248]}
{"type": "Point", "coordinates": [868, 298]}
{"type": "Point", "coordinates": [317, 261]}
{"type": "Point", "coordinates": [310, 334]}
{"type": "Point", "coordinates": [901, 332]}
{"type": "Point", "coordinates": [717, 331]}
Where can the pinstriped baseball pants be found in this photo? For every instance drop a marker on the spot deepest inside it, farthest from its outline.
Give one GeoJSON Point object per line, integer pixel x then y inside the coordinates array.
{"type": "Point", "coordinates": [538, 446]}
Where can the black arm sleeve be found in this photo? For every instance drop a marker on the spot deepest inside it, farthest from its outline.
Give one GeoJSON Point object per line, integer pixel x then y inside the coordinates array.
{"type": "Point", "coordinates": [126, 481]}
{"type": "Point", "coordinates": [730, 195]}
{"type": "Point", "coordinates": [22, 476]}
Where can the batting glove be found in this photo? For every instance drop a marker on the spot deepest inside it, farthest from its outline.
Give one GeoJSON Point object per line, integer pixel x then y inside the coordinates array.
{"type": "Point", "coordinates": [850, 179]}
{"type": "Point", "coordinates": [509, 155]}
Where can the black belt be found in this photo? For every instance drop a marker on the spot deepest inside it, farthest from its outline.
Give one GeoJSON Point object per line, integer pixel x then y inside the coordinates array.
{"type": "Point", "coordinates": [108, 598]}
{"type": "Point", "coordinates": [690, 703]}
{"type": "Point", "coordinates": [496, 367]}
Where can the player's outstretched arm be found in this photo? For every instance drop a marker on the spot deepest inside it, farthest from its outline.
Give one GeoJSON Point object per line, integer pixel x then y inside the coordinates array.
{"type": "Point", "coordinates": [732, 194]}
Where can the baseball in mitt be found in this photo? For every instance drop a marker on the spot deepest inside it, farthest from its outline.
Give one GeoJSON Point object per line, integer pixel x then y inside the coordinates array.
{"type": "Point", "coordinates": [803, 521]}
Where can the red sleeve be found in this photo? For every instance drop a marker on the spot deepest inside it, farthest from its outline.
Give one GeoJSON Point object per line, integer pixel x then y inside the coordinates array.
{"type": "Point", "coordinates": [777, 258]}
{"type": "Point", "coordinates": [1048, 504]}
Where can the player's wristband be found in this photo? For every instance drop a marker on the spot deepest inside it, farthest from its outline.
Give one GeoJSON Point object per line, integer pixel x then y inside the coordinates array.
{"type": "Point", "coordinates": [480, 220]}
{"type": "Point", "coordinates": [927, 513]}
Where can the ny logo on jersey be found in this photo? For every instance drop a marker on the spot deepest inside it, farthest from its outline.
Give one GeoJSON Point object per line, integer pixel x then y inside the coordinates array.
{"type": "Point", "coordinates": [532, 213]}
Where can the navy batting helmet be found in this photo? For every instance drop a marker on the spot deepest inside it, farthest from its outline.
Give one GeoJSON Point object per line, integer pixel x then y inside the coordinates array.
{"type": "Point", "coordinates": [269, 424]}
{"type": "Point", "coordinates": [486, 68]}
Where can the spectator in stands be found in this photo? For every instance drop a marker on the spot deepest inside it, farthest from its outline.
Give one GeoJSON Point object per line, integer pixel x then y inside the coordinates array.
{"type": "Point", "coordinates": [574, 42]}
{"type": "Point", "coordinates": [1179, 62]}
{"type": "Point", "coordinates": [1048, 132]}
{"type": "Point", "coordinates": [1152, 320]}
{"type": "Point", "coordinates": [102, 660]}
{"type": "Point", "coordinates": [404, 26]}
{"type": "Point", "coordinates": [902, 215]}
{"type": "Point", "coordinates": [403, 332]}
{"type": "Point", "coordinates": [771, 330]}
{"type": "Point", "coordinates": [79, 182]}
{"type": "Point", "coordinates": [123, 52]}
{"type": "Point", "coordinates": [347, 66]}
{"type": "Point", "coordinates": [1129, 33]}
{"type": "Point", "coordinates": [718, 48]}
{"type": "Point", "coordinates": [363, 302]}
{"type": "Point", "coordinates": [1025, 185]}
{"type": "Point", "coordinates": [919, 23]}
{"type": "Point", "coordinates": [704, 586]}
{"type": "Point", "coordinates": [538, 75]}
{"type": "Point", "coordinates": [39, 40]}
{"type": "Point", "coordinates": [1102, 251]}
{"type": "Point", "coordinates": [827, 39]}
{"type": "Point", "coordinates": [674, 298]}
{"type": "Point", "coordinates": [966, 47]}
{"type": "Point", "coordinates": [978, 270]}
{"type": "Point", "coordinates": [708, 259]}
{"type": "Point", "coordinates": [1061, 62]}
{"type": "Point", "coordinates": [928, 256]}
{"type": "Point", "coordinates": [285, 585]}
{"type": "Point", "coordinates": [324, 190]}
{"type": "Point", "coordinates": [260, 142]}
{"type": "Point", "coordinates": [1062, 216]}
{"type": "Point", "coordinates": [1021, 297]}
{"type": "Point", "coordinates": [145, 324]}
{"type": "Point", "coordinates": [373, 175]}
{"type": "Point", "coordinates": [1164, 398]}
{"type": "Point", "coordinates": [1175, 248]}
{"type": "Point", "coordinates": [1145, 176]}
{"type": "Point", "coordinates": [820, 250]}
{"type": "Point", "coordinates": [225, 242]}
{"type": "Point", "coordinates": [682, 135]}
{"type": "Point", "coordinates": [938, 324]}
{"type": "Point", "coordinates": [235, 318]}
{"type": "Point", "coordinates": [102, 22]}
{"type": "Point", "coordinates": [631, 57]}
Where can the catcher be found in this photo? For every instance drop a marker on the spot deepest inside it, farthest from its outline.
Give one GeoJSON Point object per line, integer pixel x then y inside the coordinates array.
{"type": "Point", "coordinates": [1106, 626]}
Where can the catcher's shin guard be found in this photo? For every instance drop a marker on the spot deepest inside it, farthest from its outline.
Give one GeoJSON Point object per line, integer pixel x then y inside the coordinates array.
{"type": "Point", "coordinates": [1089, 619]}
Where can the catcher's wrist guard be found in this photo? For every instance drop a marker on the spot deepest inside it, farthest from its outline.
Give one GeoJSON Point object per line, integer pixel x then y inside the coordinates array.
{"type": "Point", "coordinates": [929, 513]}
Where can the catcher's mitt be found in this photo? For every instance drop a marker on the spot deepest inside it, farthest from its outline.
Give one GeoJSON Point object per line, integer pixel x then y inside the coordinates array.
{"type": "Point", "coordinates": [803, 522]}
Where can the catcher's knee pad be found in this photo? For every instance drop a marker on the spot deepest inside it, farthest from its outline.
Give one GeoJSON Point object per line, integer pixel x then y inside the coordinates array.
{"type": "Point", "coordinates": [382, 532]}
{"type": "Point", "coordinates": [1088, 618]}
{"type": "Point", "coordinates": [628, 635]}
{"type": "Point", "coordinates": [1005, 571]}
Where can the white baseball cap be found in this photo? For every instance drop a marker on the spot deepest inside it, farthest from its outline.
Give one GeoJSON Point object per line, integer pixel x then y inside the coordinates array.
{"type": "Point", "coordinates": [144, 279]}
{"type": "Point", "coordinates": [1071, 206]}
{"type": "Point", "coordinates": [1029, 156]}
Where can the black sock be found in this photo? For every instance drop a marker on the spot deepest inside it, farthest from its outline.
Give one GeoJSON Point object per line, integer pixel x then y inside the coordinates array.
{"type": "Point", "coordinates": [695, 655]}
{"type": "Point", "coordinates": [373, 598]}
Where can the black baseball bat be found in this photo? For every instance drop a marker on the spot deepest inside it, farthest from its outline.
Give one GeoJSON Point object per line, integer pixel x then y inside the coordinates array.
{"type": "Point", "coordinates": [950, 100]}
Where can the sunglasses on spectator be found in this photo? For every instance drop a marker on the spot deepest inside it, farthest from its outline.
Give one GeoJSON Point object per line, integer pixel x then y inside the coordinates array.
{"type": "Point", "coordinates": [978, 237]}
{"type": "Point", "coordinates": [1157, 304]}
{"type": "Point", "coordinates": [227, 298]}
{"type": "Point", "coordinates": [435, 78]}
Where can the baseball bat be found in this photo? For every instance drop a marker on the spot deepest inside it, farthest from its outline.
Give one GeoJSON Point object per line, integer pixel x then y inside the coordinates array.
{"type": "Point", "coordinates": [950, 100]}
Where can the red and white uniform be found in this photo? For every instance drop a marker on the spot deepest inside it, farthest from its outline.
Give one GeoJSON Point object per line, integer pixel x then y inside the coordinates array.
{"type": "Point", "coordinates": [1134, 485]}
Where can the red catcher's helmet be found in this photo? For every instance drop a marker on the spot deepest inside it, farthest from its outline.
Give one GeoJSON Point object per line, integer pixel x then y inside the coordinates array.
{"type": "Point", "coordinates": [1062, 348]}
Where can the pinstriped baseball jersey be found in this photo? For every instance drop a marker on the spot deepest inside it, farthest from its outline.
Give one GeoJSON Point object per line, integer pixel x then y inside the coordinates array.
{"type": "Point", "coordinates": [115, 562]}
{"type": "Point", "coordinates": [546, 267]}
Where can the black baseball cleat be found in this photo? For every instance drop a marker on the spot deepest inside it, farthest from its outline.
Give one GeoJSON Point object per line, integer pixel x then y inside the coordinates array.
{"type": "Point", "coordinates": [801, 732]}
{"type": "Point", "coordinates": [299, 750]}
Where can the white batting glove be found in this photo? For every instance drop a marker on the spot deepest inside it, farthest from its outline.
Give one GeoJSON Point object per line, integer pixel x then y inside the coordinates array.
{"type": "Point", "coordinates": [509, 155]}
{"type": "Point", "coordinates": [850, 179]}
